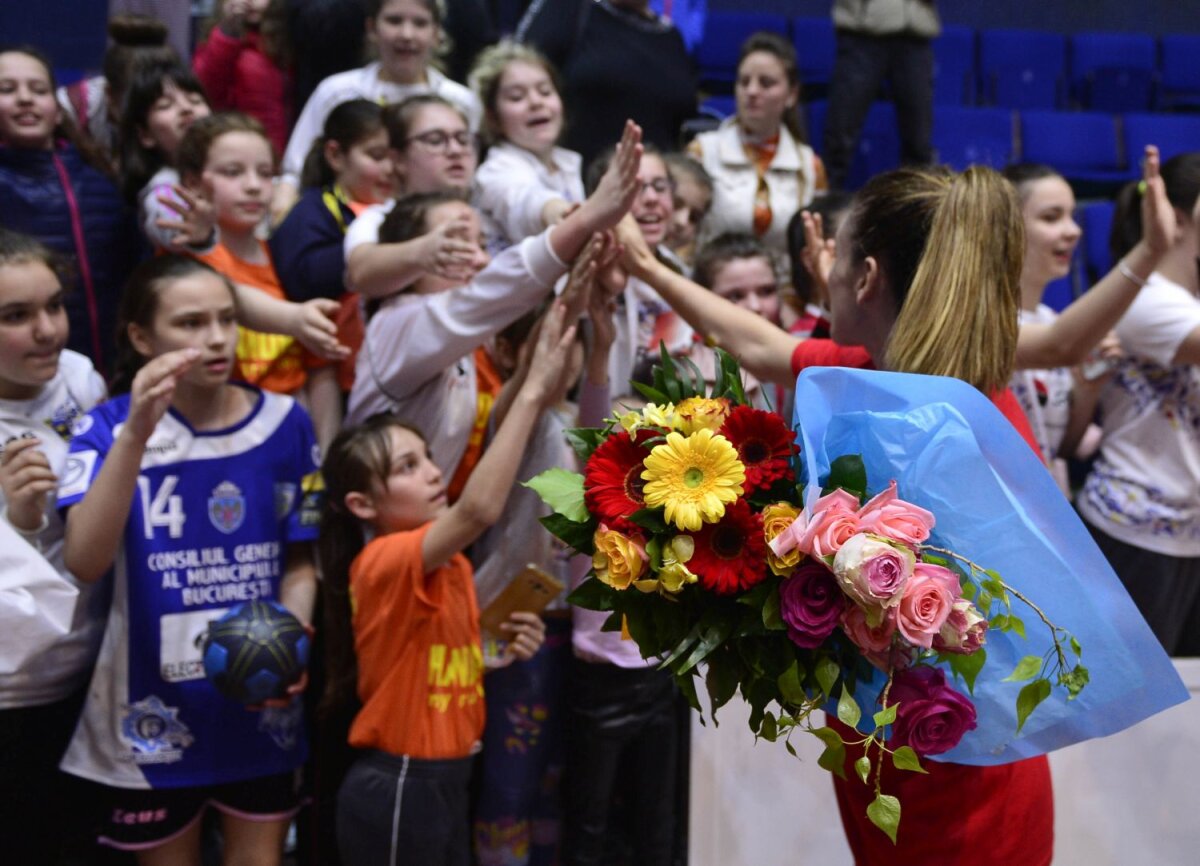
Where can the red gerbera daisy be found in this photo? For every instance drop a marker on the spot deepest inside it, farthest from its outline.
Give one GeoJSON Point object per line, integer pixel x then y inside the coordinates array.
{"type": "Point", "coordinates": [764, 445]}
{"type": "Point", "coordinates": [612, 480]}
{"type": "Point", "coordinates": [730, 555]}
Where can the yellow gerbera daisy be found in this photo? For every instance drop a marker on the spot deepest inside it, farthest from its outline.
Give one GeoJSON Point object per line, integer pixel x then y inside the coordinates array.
{"type": "Point", "coordinates": [693, 478]}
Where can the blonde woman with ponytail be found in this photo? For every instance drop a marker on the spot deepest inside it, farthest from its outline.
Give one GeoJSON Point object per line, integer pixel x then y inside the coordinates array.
{"type": "Point", "coordinates": [926, 280]}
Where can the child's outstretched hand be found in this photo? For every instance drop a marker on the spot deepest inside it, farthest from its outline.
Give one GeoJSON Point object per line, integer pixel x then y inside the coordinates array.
{"type": "Point", "coordinates": [197, 218]}
{"type": "Point", "coordinates": [27, 479]}
{"type": "Point", "coordinates": [614, 195]}
{"type": "Point", "coordinates": [548, 364]}
{"type": "Point", "coordinates": [313, 324]}
{"type": "Point", "coordinates": [636, 256]}
{"type": "Point", "coordinates": [152, 390]}
{"type": "Point", "coordinates": [448, 252]}
{"type": "Point", "coordinates": [526, 633]}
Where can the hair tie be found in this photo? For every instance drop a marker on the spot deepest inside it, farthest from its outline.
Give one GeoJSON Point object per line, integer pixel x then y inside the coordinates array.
{"type": "Point", "coordinates": [1141, 187]}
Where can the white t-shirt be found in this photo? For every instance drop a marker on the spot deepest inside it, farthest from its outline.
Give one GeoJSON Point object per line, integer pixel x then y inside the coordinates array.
{"type": "Point", "coordinates": [1045, 395]}
{"type": "Point", "coordinates": [65, 663]}
{"type": "Point", "coordinates": [1144, 488]}
{"type": "Point", "coordinates": [512, 186]}
{"type": "Point", "coordinates": [365, 83]}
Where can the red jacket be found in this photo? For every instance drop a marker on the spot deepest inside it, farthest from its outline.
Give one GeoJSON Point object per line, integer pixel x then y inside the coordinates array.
{"type": "Point", "coordinates": [238, 76]}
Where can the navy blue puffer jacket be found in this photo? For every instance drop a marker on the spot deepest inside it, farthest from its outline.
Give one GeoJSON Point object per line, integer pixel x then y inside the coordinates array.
{"type": "Point", "coordinates": [56, 197]}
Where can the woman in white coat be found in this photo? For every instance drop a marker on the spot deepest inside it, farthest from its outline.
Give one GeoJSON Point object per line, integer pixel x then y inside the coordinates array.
{"type": "Point", "coordinates": [762, 170]}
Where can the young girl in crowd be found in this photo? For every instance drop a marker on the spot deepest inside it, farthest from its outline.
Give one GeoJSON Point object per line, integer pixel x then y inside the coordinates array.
{"type": "Point", "coordinates": [52, 190]}
{"type": "Point", "coordinates": [527, 182]}
{"type": "Point", "coordinates": [349, 169]}
{"type": "Point", "coordinates": [423, 353]}
{"type": "Point", "coordinates": [762, 170]}
{"type": "Point", "coordinates": [432, 151]}
{"type": "Point", "coordinates": [1140, 498]}
{"type": "Point", "coordinates": [226, 159]}
{"type": "Point", "coordinates": [693, 201]}
{"type": "Point", "coordinates": [44, 389]}
{"type": "Point", "coordinates": [403, 624]}
{"type": "Point", "coordinates": [164, 98]}
{"type": "Point", "coordinates": [239, 66]}
{"type": "Point", "coordinates": [406, 34]}
{"type": "Point", "coordinates": [94, 104]}
{"type": "Point", "coordinates": [139, 490]}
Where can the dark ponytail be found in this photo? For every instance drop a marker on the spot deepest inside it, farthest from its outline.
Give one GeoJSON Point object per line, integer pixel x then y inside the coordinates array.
{"type": "Point", "coordinates": [348, 123]}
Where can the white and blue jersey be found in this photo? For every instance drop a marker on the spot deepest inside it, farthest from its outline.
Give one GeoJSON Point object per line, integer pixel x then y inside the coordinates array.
{"type": "Point", "coordinates": [208, 528]}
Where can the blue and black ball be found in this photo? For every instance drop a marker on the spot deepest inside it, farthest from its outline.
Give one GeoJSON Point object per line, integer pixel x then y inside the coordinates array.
{"type": "Point", "coordinates": [255, 652]}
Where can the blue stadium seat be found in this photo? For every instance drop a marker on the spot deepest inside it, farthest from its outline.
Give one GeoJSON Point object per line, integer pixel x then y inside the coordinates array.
{"type": "Point", "coordinates": [719, 106]}
{"type": "Point", "coordinates": [1096, 220]}
{"type": "Point", "coordinates": [1173, 133]}
{"type": "Point", "coordinates": [816, 46]}
{"type": "Point", "coordinates": [982, 136]}
{"type": "Point", "coordinates": [878, 147]}
{"type": "Point", "coordinates": [1113, 71]}
{"type": "Point", "coordinates": [724, 33]}
{"type": "Point", "coordinates": [1179, 71]}
{"type": "Point", "coordinates": [954, 61]}
{"type": "Point", "coordinates": [1081, 144]}
{"type": "Point", "coordinates": [1022, 68]}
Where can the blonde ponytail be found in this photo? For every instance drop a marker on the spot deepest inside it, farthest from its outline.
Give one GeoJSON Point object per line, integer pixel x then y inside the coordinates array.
{"type": "Point", "coordinates": [958, 315]}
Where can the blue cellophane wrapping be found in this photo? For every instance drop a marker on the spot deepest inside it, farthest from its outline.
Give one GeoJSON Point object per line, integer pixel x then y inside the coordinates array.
{"type": "Point", "coordinates": [951, 451]}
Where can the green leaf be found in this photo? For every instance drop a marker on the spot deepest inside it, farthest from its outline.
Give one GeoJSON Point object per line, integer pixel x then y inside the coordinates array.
{"type": "Point", "coordinates": [966, 666]}
{"type": "Point", "coordinates": [904, 758]}
{"type": "Point", "coordinates": [585, 440]}
{"type": "Point", "coordinates": [984, 602]}
{"type": "Point", "coordinates": [651, 394]}
{"type": "Point", "coordinates": [1074, 681]}
{"type": "Point", "coordinates": [654, 553]}
{"type": "Point", "coordinates": [969, 590]}
{"type": "Point", "coordinates": [687, 686]}
{"type": "Point", "coordinates": [1016, 625]}
{"type": "Point", "coordinates": [884, 813]}
{"type": "Point", "coordinates": [827, 673]}
{"type": "Point", "coordinates": [787, 744]}
{"type": "Point", "coordinates": [849, 473]}
{"type": "Point", "coordinates": [863, 767]}
{"type": "Point", "coordinates": [1026, 669]}
{"type": "Point", "coordinates": [790, 686]}
{"type": "Point", "coordinates": [770, 613]}
{"type": "Point", "coordinates": [683, 646]}
{"type": "Point", "coordinates": [833, 758]}
{"type": "Point", "coordinates": [768, 730]}
{"type": "Point", "coordinates": [561, 490]}
{"type": "Point", "coordinates": [592, 594]}
{"type": "Point", "coordinates": [721, 679]}
{"type": "Point", "coordinates": [848, 712]}
{"type": "Point", "coordinates": [885, 716]}
{"type": "Point", "coordinates": [1075, 647]}
{"type": "Point", "coordinates": [577, 536]}
{"type": "Point", "coordinates": [650, 519]}
{"type": "Point", "coordinates": [1030, 696]}
{"type": "Point", "coordinates": [711, 638]}
{"type": "Point", "coordinates": [999, 622]}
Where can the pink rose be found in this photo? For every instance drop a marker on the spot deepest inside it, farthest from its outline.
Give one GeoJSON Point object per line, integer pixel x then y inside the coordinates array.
{"type": "Point", "coordinates": [931, 717]}
{"type": "Point", "coordinates": [963, 631]}
{"type": "Point", "coordinates": [875, 642]}
{"type": "Point", "coordinates": [893, 518]}
{"type": "Point", "coordinates": [810, 602]}
{"type": "Point", "coordinates": [834, 519]}
{"type": "Point", "coordinates": [925, 605]}
{"type": "Point", "coordinates": [873, 571]}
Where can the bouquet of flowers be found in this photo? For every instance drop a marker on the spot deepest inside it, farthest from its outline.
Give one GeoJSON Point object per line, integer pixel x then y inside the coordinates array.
{"type": "Point", "coordinates": [707, 555]}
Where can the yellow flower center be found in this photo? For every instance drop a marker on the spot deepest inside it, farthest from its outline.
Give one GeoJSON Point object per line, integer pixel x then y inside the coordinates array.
{"type": "Point", "coordinates": [693, 477]}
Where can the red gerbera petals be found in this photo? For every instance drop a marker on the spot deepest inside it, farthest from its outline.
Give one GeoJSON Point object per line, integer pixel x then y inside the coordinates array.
{"type": "Point", "coordinates": [730, 555]}
{"type": "Point", "coordinates": [612, 480]}
{"type": "Point", "coordinates": [764, 444]}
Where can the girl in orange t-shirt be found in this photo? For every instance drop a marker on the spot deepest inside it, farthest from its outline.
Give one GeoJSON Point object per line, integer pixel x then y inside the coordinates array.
{"type": "Point", "coordinates": [402, 625]}
{"type": "Point", "coordinates": [226, 158]}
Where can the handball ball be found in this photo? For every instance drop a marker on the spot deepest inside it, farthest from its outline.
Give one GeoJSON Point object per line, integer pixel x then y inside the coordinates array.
{"type": "Point", "coordinates": [255, 652]}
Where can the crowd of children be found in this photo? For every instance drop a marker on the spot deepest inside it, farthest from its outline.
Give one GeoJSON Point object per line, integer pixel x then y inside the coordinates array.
{"type": "Point", "coordinates": [335, 346]}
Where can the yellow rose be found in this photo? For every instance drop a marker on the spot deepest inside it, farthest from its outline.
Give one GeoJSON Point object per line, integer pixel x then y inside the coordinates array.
{"type": "Point", "coordinates": [674, 574]}
{"type": "Point", "coordinates": [702, 413]}
{"type": "Point", "coordinates": [666, 416]}
{"type": "Point", "coordinates": [777, 518]}
{"type": "Point", "coordinates": [618, 560]}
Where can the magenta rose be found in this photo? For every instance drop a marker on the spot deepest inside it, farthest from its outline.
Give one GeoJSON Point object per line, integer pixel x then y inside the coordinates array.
{"type": "Point", "coordinates": [925, 604]}
{"type": "Point", "coordinates": [931, 717]}
{"type": "Point", "coordinates": [892, 517]}
{"type": "Point", "coordinates": [811, 604]}
{"type": "Point", "coordinates": [963, 631]}
{"type": "Point", "coordinates": [834, 519]}
{"type": "Point", "coordinates": [873, 572]}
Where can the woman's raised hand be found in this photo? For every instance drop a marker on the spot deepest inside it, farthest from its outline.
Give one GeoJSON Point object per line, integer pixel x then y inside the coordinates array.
{"type": "Point", "coordinates": [152, 390]}
{"type": "Point", "coordinates": [614, 195]}
{"type": "Point", "coordinates": [1158, 214]}
{"type": "Point", "coordinates": [819, 253]}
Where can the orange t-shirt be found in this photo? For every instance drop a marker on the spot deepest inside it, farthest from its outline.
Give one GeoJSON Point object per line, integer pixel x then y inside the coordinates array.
{"type": "Point", "coordinates": [274, 362]}
{"type": "Point", "coordinates": [419, 649]}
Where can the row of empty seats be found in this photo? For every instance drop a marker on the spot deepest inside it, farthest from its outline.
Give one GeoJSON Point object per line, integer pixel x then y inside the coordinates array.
{"type": "Point", "coordinates": [1010, 68]}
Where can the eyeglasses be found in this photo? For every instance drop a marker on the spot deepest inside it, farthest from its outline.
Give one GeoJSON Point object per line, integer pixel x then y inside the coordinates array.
{"type": "Point", "coordinates": [660, 185]}
{"type": "Point", "coordinates": [438, 140]}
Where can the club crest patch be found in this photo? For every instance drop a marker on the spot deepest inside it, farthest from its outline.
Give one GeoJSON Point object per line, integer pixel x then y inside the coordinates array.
{"type": "Point", "coordinates": [227, 507]}
{"type": "Point", "coordinates": [154, 732]}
